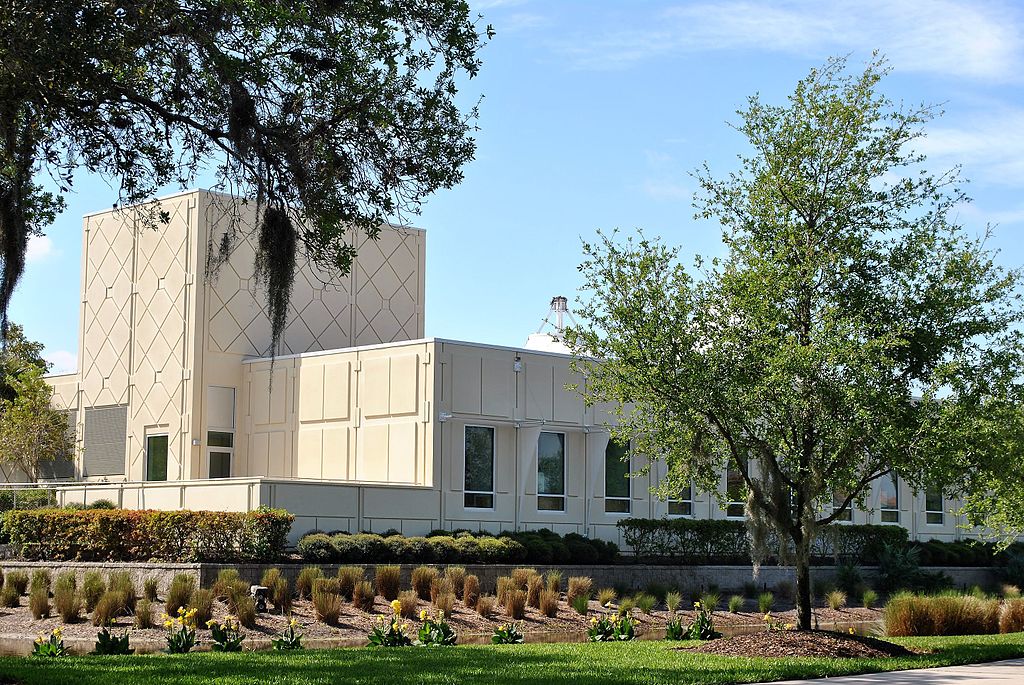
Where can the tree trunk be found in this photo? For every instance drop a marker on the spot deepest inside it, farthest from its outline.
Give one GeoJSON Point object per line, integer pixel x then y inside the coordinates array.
{"type": "Point", "coordinates": [804, 614]}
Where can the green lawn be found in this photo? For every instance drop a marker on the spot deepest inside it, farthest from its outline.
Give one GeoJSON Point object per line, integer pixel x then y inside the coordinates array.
{"type": "Point", "coordinates": [636, 662]}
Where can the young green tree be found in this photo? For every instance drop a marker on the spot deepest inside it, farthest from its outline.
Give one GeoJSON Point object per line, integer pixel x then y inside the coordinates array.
{"type": "Point", "coordinates": [851, 332]}
{"type": "Point", "coordinates": [32, 432]}
{"type": "Point", "coordinates": [327, 115]}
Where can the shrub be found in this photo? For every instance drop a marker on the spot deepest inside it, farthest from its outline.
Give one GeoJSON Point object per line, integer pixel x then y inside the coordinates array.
{"type": "Point", "coordinates": [121, 581]}
{"type": "Point", "coordinates": [408, 600]}
{"type": "Point", "coordinates": [445, 603]}
{"type": "Point", "coordinates": [908, 615]}
{"type": "Point", "coordinates": [422, 577]}
{"type": "Point", "coordinates": [179, 593]}
{"type": "Point", "coordinates": [67, 603]}
{"type": "Point", "coordinates": [898, 567]}
{"type": "Point", "coordinates": [9, 596]}
{"type": "Point", "coordinates": [144, 614]}
{"type": "Point", "coordinates": [111, 605]}
{"type": "Point", "coordinates": [245, 610]}
{"type": "Point", "coordinates": [548, 603]}
{"type": "Point", "coordinates": [505, 585]}
{"type": "Point", "coordinates": [606, 596]}
{"type": "Point", "coordinates": [41, 580]}
{"type": "Point", "coordinates": [578, 586]}
{"type": "Point", "coordinates": [39, 603]}
{"type": "Point", "coordinates": [735, 604]}
{"type": "Point", "coordinates": [457, 576]}
{"type": "Point", "coordinates": [130, 535]}
{"type": "Point", "coordinates": [470, 590]}
{"type": "Point", "coordinates": [281, 596]}
{"type": "Point", "coordinates": [202, 602]}
{"type": "Point", "coordinates": [485, 606]}
{"type": "Point", "coordinates": [93, 587]}
{"type": "Point", "coordinates": [328, 606]}
{"type": "Point", "coordinates": [515, 603]}
{"type": "Point", "coordinates": [765, 602]}
{"type": "Point", "coordinates": [553, 580]}
{"type": "Point", "coordinates": [18, 580]}
{"type": "Point", "coordinates": [363, 595]}
{"type": "Point", "coordinates": [348, 576]}
{"type": "Point", "coordinates": [836, 600]}
{"type": "Point", "coordinates": [317, 547]}
{"type": "Point", "coordinates": [710, 601]}
{"type": "Point", "coordinates": [645, 602]}
{"type": "Point", "coordinates": [150, 587]}
{"type": "Point", "coordinates": [1012, 618]}
{"type": "Point", "coordinates": [388, 580]}
{"type": "Point", "coordinates": [304, 583]}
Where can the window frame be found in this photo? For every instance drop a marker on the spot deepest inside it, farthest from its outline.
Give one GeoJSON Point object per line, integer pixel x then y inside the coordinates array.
{"type": "Point", "coordinates": [893, 513]}
{"type": "Point", "coordinates": [167, 449]}
{"type": "Point", "coordinates": [465, 472]}
{"type": "Point", "coordinates": [930, 512]}
{"type": "Point", "coordinates": [736, 503]}
{"type": "Point", "coordinates": [681, 501]}
{"type": "Point", "coordinates": [212, 449]}
{"type": "Point", "coordinates": [628, 499]}
{"type": "Point", "coordinates": [549, 496]}
{"type": "Point", "coordinates": [847, 516]}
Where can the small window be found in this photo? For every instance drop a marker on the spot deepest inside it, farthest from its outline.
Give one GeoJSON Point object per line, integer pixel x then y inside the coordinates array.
{"type": "Point", "coordinates": [156, 457]}
{"type": "Point", "coordinates": [838, 498]}
{"type": "Point", "coordinates": [551, 472]}
{"type": "Point", "coordinates": [221, 445]}
{"type": "Point", "coordinates": [934, 509]}
{"type": "Point", "coordinates": [616, 478]}
{"type": "Point", "coordinates": [889, 499]}
{"type": "Point", "coordinates": [735, 491]}
{"type": "Point", "coordinates": [683, 505]}
{"type": "Point", "coordinates": [479, 480]}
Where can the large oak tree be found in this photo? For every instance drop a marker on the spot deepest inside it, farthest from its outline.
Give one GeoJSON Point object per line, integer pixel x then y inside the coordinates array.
{"type": "Point", "coordinates": [852, 331]}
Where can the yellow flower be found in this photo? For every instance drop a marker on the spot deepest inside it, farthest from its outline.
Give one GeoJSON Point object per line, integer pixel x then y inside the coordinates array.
{"type": "Point", "coordinates": [423, 615]}
{"type": "Point", "coordinates": [396, 606]}
{"type": "Point", "coordinates": [851, 631]}
{"type": "Point", "coordinates": [696, 605]}
{"type": "Point", "coordinates": [168, 624]}
{"type": "Point", "coordinates": [58, 632]}
{"type": "Point", "coordinates": [789, 626]}
{"type": "Point", "coordinates": [293, 623]}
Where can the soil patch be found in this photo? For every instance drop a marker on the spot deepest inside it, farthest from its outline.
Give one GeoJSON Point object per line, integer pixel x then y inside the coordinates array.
{"type": "Point", "coordinates": [814, 643]}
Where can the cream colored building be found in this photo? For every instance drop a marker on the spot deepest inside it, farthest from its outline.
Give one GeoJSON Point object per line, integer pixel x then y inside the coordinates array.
{"type": "Point", "coordinates": [359, 422]}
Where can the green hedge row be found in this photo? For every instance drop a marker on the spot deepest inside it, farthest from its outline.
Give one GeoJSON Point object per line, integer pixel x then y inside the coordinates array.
{"type": "Point", "coordinates": [694, 541]}
{"type": "Point", "coordinates": [144, 535]}
{"type": "Point", "coordinates": [535, 547]}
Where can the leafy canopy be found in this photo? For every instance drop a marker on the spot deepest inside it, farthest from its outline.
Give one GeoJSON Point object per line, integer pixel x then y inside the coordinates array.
{"type": "Point", "coordinates": [851, 331]}
{"type": "Point", "coordinates": [326, 114]}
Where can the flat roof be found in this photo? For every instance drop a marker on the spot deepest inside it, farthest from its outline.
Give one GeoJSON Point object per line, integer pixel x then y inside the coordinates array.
{"type": "Point", "coordinates": [402, 343]}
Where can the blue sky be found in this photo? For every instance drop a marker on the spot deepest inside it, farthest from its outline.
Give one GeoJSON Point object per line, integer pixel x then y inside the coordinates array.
{"type": "Point", "coordinates": [594, 115]}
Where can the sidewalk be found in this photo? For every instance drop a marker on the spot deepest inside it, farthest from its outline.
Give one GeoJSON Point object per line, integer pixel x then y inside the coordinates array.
{"type": "Point", "coordinates": [995, 673]}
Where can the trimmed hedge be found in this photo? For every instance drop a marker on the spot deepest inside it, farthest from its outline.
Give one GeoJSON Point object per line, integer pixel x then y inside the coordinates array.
{"type": "Point", "coordinates": [695, 541]}
{"type": "Point", "coordinates": [144, 535]}
{"type": "Point", "coordinates": [537, 547]}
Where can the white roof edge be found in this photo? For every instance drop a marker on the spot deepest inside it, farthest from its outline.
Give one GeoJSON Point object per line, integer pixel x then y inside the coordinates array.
{"type": "Point", "coordinates": [60, 375]}
{"type": "Point", "coordinates": [191, 191]}
{"type": "Point", "coordinates": [401, 343]}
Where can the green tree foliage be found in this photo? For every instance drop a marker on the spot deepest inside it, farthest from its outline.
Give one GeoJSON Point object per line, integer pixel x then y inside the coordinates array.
{"type": "Point", "coordinates": [17, 353]}
{"type": "Point", "coordinates": [32, 432]}
{"type": "Point", "coordinates": [851, 331]}
{"type": "Point", "coordinates": [328, 115]}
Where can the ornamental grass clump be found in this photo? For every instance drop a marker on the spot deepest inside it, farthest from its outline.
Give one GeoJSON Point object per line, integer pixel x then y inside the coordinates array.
{"type": "Point", "coordinates": [144, 614]}
{"type": "Point", "coordinates": [439, 586]}
{"type": "Point", "coordinates": [515, 603]}
{"type": "Point", "coordinates": [39, 603]}
{"type": "Point", "coordinates": [111, 605]}
{"type": "Point", "coordinates": [765, 602]}
{"type": "Point", "coordinates": [65, 580]}
{"type": "Point", "coordinates": [388, 579]}
{"type": "Point", "coordinates": [626, 606]}
{"type": "Point", "coordinates": [245, 610]}
{"type": "Point", "coordinates": [836, 600]}
{"type": "Point", "coordinates": [67, 603]}
{"type": "Point", "coordinates": [18, 580]}
{"type": "Point", "coordinates": [710, 600]}
{"type": "Point", "coordinates": [150, 588]}
{"type": "Point", "coordinates": [363, 596]}
{"type": "Point", "coordinates": [121, 581]}
{"type": "Point", "coordinates": [422, 578]}
{"type": "Point", "coordinates": [548, 604]}
{"type": "Point", "coordinates": [578, 586]}
{"type": "Point", "coordinates": [869, 599]}
{"type": "Point", "coordinates": [348, 576]}
{"type": "Point", "coordinates": [735, 604]}
{"type": "Point", "coordinates": [281, 596]}
{"type": "Point", "coordinates": [1012, 618]}
{"type": "Point", "coordinates": [521, 576]}
{"type": "Point", "coordinates": [9, 597]}
{"type": "Point", "coordinates": [41, 580]}
{"type": "Point", "coordinates": [179, 593]}
{"type": "Point", "coordinates": [485, 606]}
{"type": "Point", "coordinates": [444, 602]}
{"type": "Point", "coordinates": [504, 586]}
{"type": "Point", "coordinates": [1009, 591]}
{"type": "Point", "coordinates": [581, 604]}
{"type": "Point", "coordinates": [606, 596]}
{"type": "Point", "coordinates": [645, 602]}
{"type": "Point", "coordinates": [471, 590]}
{"type": "Point", "coordinates": [672, 601]}
{"type": "Point", "coordinates": [222, 586]}
{"type": "Point", "coordinates": [553, 581]}
{"type": "Point", "coordinates": [237, 591]}
{"type": "Point", "coordinates": [201, 603]}
{"type": "Point", "coordinates": [407, 601]}
{"type": "Point", "coordinates": [304, 582]}
{"type": "Point", "coordinates": [327, 606]}
{"type": "Point", "coordinates": [267, 580]}
{"type": "Point", "coordinates": [93, 587]}
{"type": "Point", "coordinates": [913, 615]}
{"type": "Point", "coordinates": [534, 587]}
{"type": "Point", "coordinates": [457, 576]}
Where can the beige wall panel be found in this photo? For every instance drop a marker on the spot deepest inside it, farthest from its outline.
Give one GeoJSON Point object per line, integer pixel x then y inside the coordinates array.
{"type": "Point", "coordinates": [336, 453]}
{"type": "Point", "coordinates": [309, 457]}
{"type": "Point", "coordinates": [337, 382]}
{"type": "Point", "coordinates": [166, 497]}
{"type": "Point", "coordinates": [497, 387]}
{"type": "Point", "coordinates": [465, 382]}
{"type": "Point", "coordinates": [568, 403]}
{"type": "Point", "coordinates": [311, 392]}
{"type": "Point", "coordinates": [219, 497]}
{"type": "Point", "coordinates": [279, 392]}
{"type": "Point", "coordinates": [403, 450]}
{"type": "Point", "coordinates": [376, 386]}
{"type": "Point", "coordinates": [259, 455]}
{"type": "Point", "coordinates": [404, 385]}
{"type": "Point", "coordinates": [259, 397]}
{"type": "Point", "coordinates": [372, 461]}
{"type": "Point", "coordinates": [539, 386]}
{"type": "Point", "coordinates": [65, 390]}
{"type": "Point", "coordinates": [388, 280]}
{"type": "Point", "coordinates": [415, 503]}
{"type": "Point", "coordinates": [281, 461]}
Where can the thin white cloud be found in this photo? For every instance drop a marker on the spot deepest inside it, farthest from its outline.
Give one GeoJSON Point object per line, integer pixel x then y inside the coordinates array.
{"type": "Point", "coordinates": [946, 37]}
{"type": "Point", "coordinates": [990, 146]}
{"type": "Point", "coordinates": [62, 361]}
{"type": "Point", "coordinates": [40, 248]}
{"type": "Point", "coordinates": [665, 189]}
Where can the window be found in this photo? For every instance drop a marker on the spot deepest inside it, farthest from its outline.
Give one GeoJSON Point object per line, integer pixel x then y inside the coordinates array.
{"type": "Point", "coordinates": [683, 505]}
{"type": "Point", "coordinates": [934, 513]}
{"type": "Point", "coordinates": [616, 478]}
{"type": "Point", "coordinates": [156, 457]}
{"type": "Point", "coordinates": [479, 483]}
{"type": "Point", "coordinates": [221, 445]}
{"type": "Point", "coordinates": [735, 491]}
{"type": "Point", "coordinates": [838, 498]}
{"type": "Point", "coordinates": [889, 499]}
{"type": "Point", "coordinates": [551, 472]}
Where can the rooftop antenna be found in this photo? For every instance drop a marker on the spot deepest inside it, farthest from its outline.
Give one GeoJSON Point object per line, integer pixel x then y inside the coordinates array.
{"type": "Point", "coordinates": [559, 310]}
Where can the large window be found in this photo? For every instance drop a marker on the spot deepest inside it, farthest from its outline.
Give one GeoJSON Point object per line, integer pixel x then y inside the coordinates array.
{"type": "Point", "coordinates": [934, 511]}
{"type": "Point", "coordinates": [222, 447]}
{"type": "Point", "coordinates": [616, 478]}
{"type": "Point", "coordinates": [838, 497]}
{"type": "Point", "coordinates": [735, 491]}
{"type": "Point", "coordinates": [889, 499]}
{"type": "Point", "coordinates": [479, 483]}
{"type": "Point", "coordinates": [551, 472]}
{"type": "Point", "coordinates": [682, 505]}
{"type": "Point", "coordinates": [156, 457]}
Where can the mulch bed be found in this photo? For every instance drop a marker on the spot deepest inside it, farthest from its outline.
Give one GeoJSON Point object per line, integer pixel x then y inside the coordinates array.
{"type": "Point", "coordinates": [813, 643]}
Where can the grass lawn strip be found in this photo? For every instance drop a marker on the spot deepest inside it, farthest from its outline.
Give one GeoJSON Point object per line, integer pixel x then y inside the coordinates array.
{"type": "Point", "coordinates": [632, 662]}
